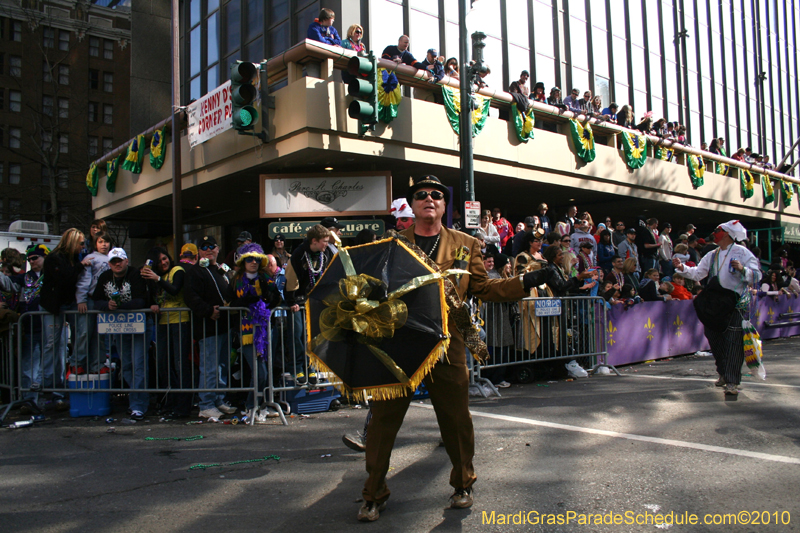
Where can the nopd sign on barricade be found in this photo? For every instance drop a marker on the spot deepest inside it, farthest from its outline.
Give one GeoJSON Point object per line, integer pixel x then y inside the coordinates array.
{"type": "Point", "coordinates": [548, 307]}
{"type": "Point", "coordinates": [113, 323]}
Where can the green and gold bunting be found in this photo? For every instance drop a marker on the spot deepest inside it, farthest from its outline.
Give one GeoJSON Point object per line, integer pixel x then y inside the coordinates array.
{"type": "Point", "coordinates": [92, 179]}
{"type": "Point", "coordinates": [664, 154]}
{"type": "Point", "coordinates": [722, 168]}
{"type": "Point", "coordinates": [766, 188]}
{"type": "Point", "coordinates": [158, 149]}
{"type": "Point", "coordinates": [697, 169]}
{"type": "Point", "coordinates": [389, 95]}
{"type": "Point", "coordinates": [112, 171]}
{"type": "Point", "coordinates": [583, 139]}
{"type": "Point", "coordinates": [788, 192]}
{"type": "Point", "coordinates": [635, 148]}
{"type": "Point", "coordinates": [452, 106]}
{"type": "Point", "coordinates": [747, 181]}
{"type": "Point", "coordinates": [133, 161]}
{"type": "Point", "coordinates": [523, 123]}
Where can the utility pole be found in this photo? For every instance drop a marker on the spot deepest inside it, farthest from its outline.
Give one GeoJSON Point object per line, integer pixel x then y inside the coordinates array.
{"type": "Point", "coordinates": [470, 75]}
{"type": "Point", "coordinates": [177, 202]}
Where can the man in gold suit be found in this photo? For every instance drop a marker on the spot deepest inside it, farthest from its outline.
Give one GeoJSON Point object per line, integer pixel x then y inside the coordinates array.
{"type": "Point", "coordinates": [448, 382]}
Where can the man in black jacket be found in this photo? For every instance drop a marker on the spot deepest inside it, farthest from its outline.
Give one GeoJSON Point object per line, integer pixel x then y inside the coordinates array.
{"type": "Point", "coordinates": [122, 287]}
{"type": "Point", "coordinates": [205, 286]}
{"type": "Point", "coordinates": [308, 263]}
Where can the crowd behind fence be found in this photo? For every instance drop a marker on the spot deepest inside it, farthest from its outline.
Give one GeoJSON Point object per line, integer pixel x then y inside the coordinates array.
{"type": "Point", "coordinates": [169, 357]}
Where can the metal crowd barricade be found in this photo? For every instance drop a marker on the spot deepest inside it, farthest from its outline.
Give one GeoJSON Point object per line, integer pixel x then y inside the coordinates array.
{"type": "Point", "coordinates": [161, 356]}
{"type": "Point", "coordinates": [544, 329]}
{"type": "Point", "coordinates": [8, 386]}
{"type": "Point", "coordinates": [288, 359]}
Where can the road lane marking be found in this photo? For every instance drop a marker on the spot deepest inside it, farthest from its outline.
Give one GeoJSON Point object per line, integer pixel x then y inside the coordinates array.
{"type": "Point", "coordinates": [631, 436]}
{"type": "Point", "coordinates": [748, 383]}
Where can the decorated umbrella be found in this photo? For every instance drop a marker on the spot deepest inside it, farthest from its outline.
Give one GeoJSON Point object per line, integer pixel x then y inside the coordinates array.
{"type": "Point", "coordinates": [377, 319]}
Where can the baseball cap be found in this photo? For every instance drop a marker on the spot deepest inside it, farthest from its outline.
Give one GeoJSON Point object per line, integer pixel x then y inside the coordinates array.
{"type": "Point", "coordinates": [280, 237]}
{"type": "Point", "coordinates": [331, 222]}
{"type": "Point", "coordinates": [117, 253]}
{"type": "Point", "coordinates": [188, 250]}
{"type": "Point", "coordinates": [630, 230]}
{"type": "Point", "coordinates": [244, 236]}
{"type": "Point", "coordinates": [530, 222]}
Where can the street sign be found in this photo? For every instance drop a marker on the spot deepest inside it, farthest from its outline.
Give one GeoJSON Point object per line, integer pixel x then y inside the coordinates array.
{"type": "Point", "coordinates": [548, 307]}
{"type": "Point", "coordinates": [124, 323]}
{"type": "Point", "coordinates": [472, 215]}
{"type": "Point", "coordinates": [297, 229]}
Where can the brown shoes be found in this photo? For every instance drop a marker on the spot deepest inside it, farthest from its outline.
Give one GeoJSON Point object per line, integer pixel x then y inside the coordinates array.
{"type": "Point", "coordinates": [461, 499]}
{"type": "Point", "coordinates": [370, 511]}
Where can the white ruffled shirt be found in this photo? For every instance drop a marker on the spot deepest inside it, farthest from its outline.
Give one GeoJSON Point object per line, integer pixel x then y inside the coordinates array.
{"type": "Point", "coordinates": [718, 262]}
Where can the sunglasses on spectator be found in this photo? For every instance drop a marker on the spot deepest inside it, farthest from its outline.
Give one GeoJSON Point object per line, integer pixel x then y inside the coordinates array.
{"type": "Point", "coordinates": [566, 240]}
{"type": "Point", "coordinates": [207, 247]}
{"type": "Point", "coordinates": [251, 259]}
{"type": "Point", "coordinates": [421, 195]}
{"type": "Point", "coordinates": [358, 31]}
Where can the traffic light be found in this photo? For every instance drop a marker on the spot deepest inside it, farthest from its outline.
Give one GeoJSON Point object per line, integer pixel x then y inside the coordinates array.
{"type": "Point", "coordinates": [365, 88]}
{"type": "Point", "coordinates": [243, 94]}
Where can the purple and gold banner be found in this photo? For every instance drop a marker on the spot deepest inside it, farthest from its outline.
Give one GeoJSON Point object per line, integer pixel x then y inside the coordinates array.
{"type": "Point", "coordinates": [767, 310]}
{"type": "Point", "coordinates": [652, 330]}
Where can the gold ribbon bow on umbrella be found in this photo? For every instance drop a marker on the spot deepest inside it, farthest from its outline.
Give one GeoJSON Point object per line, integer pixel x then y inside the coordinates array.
{"type": "Point", "coordinates": [372, 321]}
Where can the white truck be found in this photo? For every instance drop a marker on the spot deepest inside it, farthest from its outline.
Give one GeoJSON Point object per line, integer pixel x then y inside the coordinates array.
{"type": "Point", "coordinates": [23, 233]}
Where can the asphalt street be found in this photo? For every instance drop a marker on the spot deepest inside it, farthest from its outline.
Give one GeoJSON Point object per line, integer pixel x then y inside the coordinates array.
{"type": "Point", "coordinates": [660, 439]}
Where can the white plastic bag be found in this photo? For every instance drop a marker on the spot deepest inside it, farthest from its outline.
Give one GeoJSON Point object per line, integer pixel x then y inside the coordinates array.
{"type": "Point", "coordinates": [575, 370]}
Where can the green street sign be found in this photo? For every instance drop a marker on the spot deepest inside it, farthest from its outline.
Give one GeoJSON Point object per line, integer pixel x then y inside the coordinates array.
{"type": "Point", "coordinates": [297, 229]}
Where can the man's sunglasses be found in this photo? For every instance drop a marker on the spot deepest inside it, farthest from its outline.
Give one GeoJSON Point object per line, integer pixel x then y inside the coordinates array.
{"type": "Point", "coordinates": [207, 247]}
{"type": "Point", "coordinates": [358, 31]}
{"type": "Point", "coordinates": [251, 259]}
{"type": "Point", "coordinates": [421, 195]}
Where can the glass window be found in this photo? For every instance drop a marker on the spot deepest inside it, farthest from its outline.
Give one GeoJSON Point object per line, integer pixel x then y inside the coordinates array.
{"type": "Point", "coordinates": [517, 22]}
{"type": "Point", "coordinates": [63, 74]}
{"type": "Point", "coordinates": [233, 17]}
{"type": "Point", "coordinates": [255, 18]}
{"type": "Point", "coordinates": [518, 60]}
{"type": "Point", "coordinates": [108, 114]}
{"type": "Point", "coordinates": [655, 76]}
{"type": "Point", "coordinates": [47, 105]}
{"type": "Point", "coordinates": [577, 9]}
{"type": "Point", "coordinates": [388, 16]}
{"type": "Point", "coordinates": [63, 40]}
{"type": "Point", "coordinates": [14, 137]}
{"type": "Point", "coordinates": [194, 12]}
{"type": "Point", "coordinates": [543, 25]}
{"type": "Point", "coordinates": [637, 22]}
{"type": "Point", "coordinates": [108, 144]}
{"type": "Point", "coordinates": [601, 89]}
{"type": "Point", "coordinates": [213, 41]}
{"type": "Point", "coordinates": [671, 78]}
{"type": "Point", "coordinates": [716, 54]}
{"type": "Point", "coordinates": [639, 71]}
{"type": "Point", "coordinates": [451, 10]}
{"type": "Point", "coordinates": [49, 37]}
{"type": "Point", "coordinates": [691, 52]}
{"type": "Point", "coordinates": [485, 17]}
{"type": "Point", "coordinates": [545, 71]}
{"type": "Point", "coordinates": [620, 47]}
{"type": "Point", "coordinates": [94, 146]}
{"type": "Point", "coordinates": [255, 51]}
{"type": "Point", "coordinates": [94, 46]}
{"type": "Point", "coordinates": [212, 77]}
{"type": "Point", "coordinates": [719, 103]}
{"type": "Point", "coordinates": [669, 30]}
{"type": "Point", "coordinates": [47, 75]}
{"type": "Point", "coordinates": [15, 66]}
{"type": "Point", "coordinates": [425, 5]}
{"type": "Point", "coordinates": [617, 9]}
{"type": "Point", "coordinates": [16, 31]}
{"type": "Point", "coordinates": [493, 55]}
{"type": "Point", "coordinates": [308, 14]}
{"type": "Point", "coordinates": [63, 108]}
{"type": "Point", "coordinates": [92, 111]}
{"type": "Point", "coordinates": [63, 181]}
{"type": "Point", "coordinates": [693, 132]}
{"type": "Point", "coordinates": [279, 39]}
{"type": "Point", "coordinates": [653, 29]}
{"type": "Point", "coordinates": [639, 104]}
{"type": "Point", "coordinates": [704, 54]}
{"type": "Point", "coordinates": [94, 79]}
{"type": "Point", "coordinates": [212, 5]}
{"type": "Point", "coordinates": [15, 101]}
{"type": "Point", "coordinates": [600, 52]}
{"type": "Point", "coordinates": [577, 44]}
{"type": "Point", "coordinates": [63, 143]}
{"type": "Point", "coordinates": [451, 39]}
{"type": "Point", "coordinates": [580, 80]}
{"type": "Point", "coordinates": [108, 49]}
{"type": "Point", "coordinates": [694, 95]}
{"type": "Point", "coordinates": [279, 10]}
{"type": "Point", "coordinates": [621, 95]}
{"type": "Point", "coordinates": [598, 14]}
{"type": "Point", "coordinates": [423, 33]}
{"type": "Point", "coordinates": [195, 42]}
{"type": "Point", "coordinates": [657, 106]}
{"type": "Point", "coordinates": [195, 91]}
{"type": "Point", "coordinates": [47, 141]}
{"type": "Point", "coordinates": [108, 82]}
{"type": "Point", "coordinates": [14, 175]}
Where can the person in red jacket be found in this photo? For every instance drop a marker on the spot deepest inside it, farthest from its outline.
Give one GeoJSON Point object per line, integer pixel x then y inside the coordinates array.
{"type": "Point", "coordinates": [504, 227]}
{"type": "Point", "coordinates": [680, 292]}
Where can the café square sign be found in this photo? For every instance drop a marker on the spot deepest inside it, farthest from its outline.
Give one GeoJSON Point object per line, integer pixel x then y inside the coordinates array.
{"type": "Point", "coordinates": [326, 194]}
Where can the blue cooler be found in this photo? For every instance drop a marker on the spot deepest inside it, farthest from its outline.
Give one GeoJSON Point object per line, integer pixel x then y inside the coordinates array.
{"type": "Point", "coordinates": [89, 403]}
{"type": "Point", "coordinates": [305, 401]}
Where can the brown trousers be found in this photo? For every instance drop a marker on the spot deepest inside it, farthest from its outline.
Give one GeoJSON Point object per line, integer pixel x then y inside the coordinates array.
{"type": "Point", "coordinates": [449, 389]}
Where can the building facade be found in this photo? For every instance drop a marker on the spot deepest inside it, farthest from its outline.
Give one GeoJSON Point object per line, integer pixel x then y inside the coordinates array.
{"type": "Point", "coordinates": [64, 101]}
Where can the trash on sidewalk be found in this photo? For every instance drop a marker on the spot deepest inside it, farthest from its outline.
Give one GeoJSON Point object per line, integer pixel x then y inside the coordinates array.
{"type": "Point", "coordinates": [701, 353]}
{"type": "Point", "coordinates": [575, 370]}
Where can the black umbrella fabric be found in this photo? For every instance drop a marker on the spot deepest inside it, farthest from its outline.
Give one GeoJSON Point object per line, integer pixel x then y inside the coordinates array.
{"type": "Point", "coordinates": [377, 319]}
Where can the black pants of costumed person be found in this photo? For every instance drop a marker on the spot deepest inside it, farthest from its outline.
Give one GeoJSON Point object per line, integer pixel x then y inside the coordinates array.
{"type": "Point", "coordinates": [728, 349]}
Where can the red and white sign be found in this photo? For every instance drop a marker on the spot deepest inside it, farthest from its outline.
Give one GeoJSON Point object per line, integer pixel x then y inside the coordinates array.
{"type": "Point", "coordinates": [210, 115]}
{"type": "Point", "coordinates": [472, 215]}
